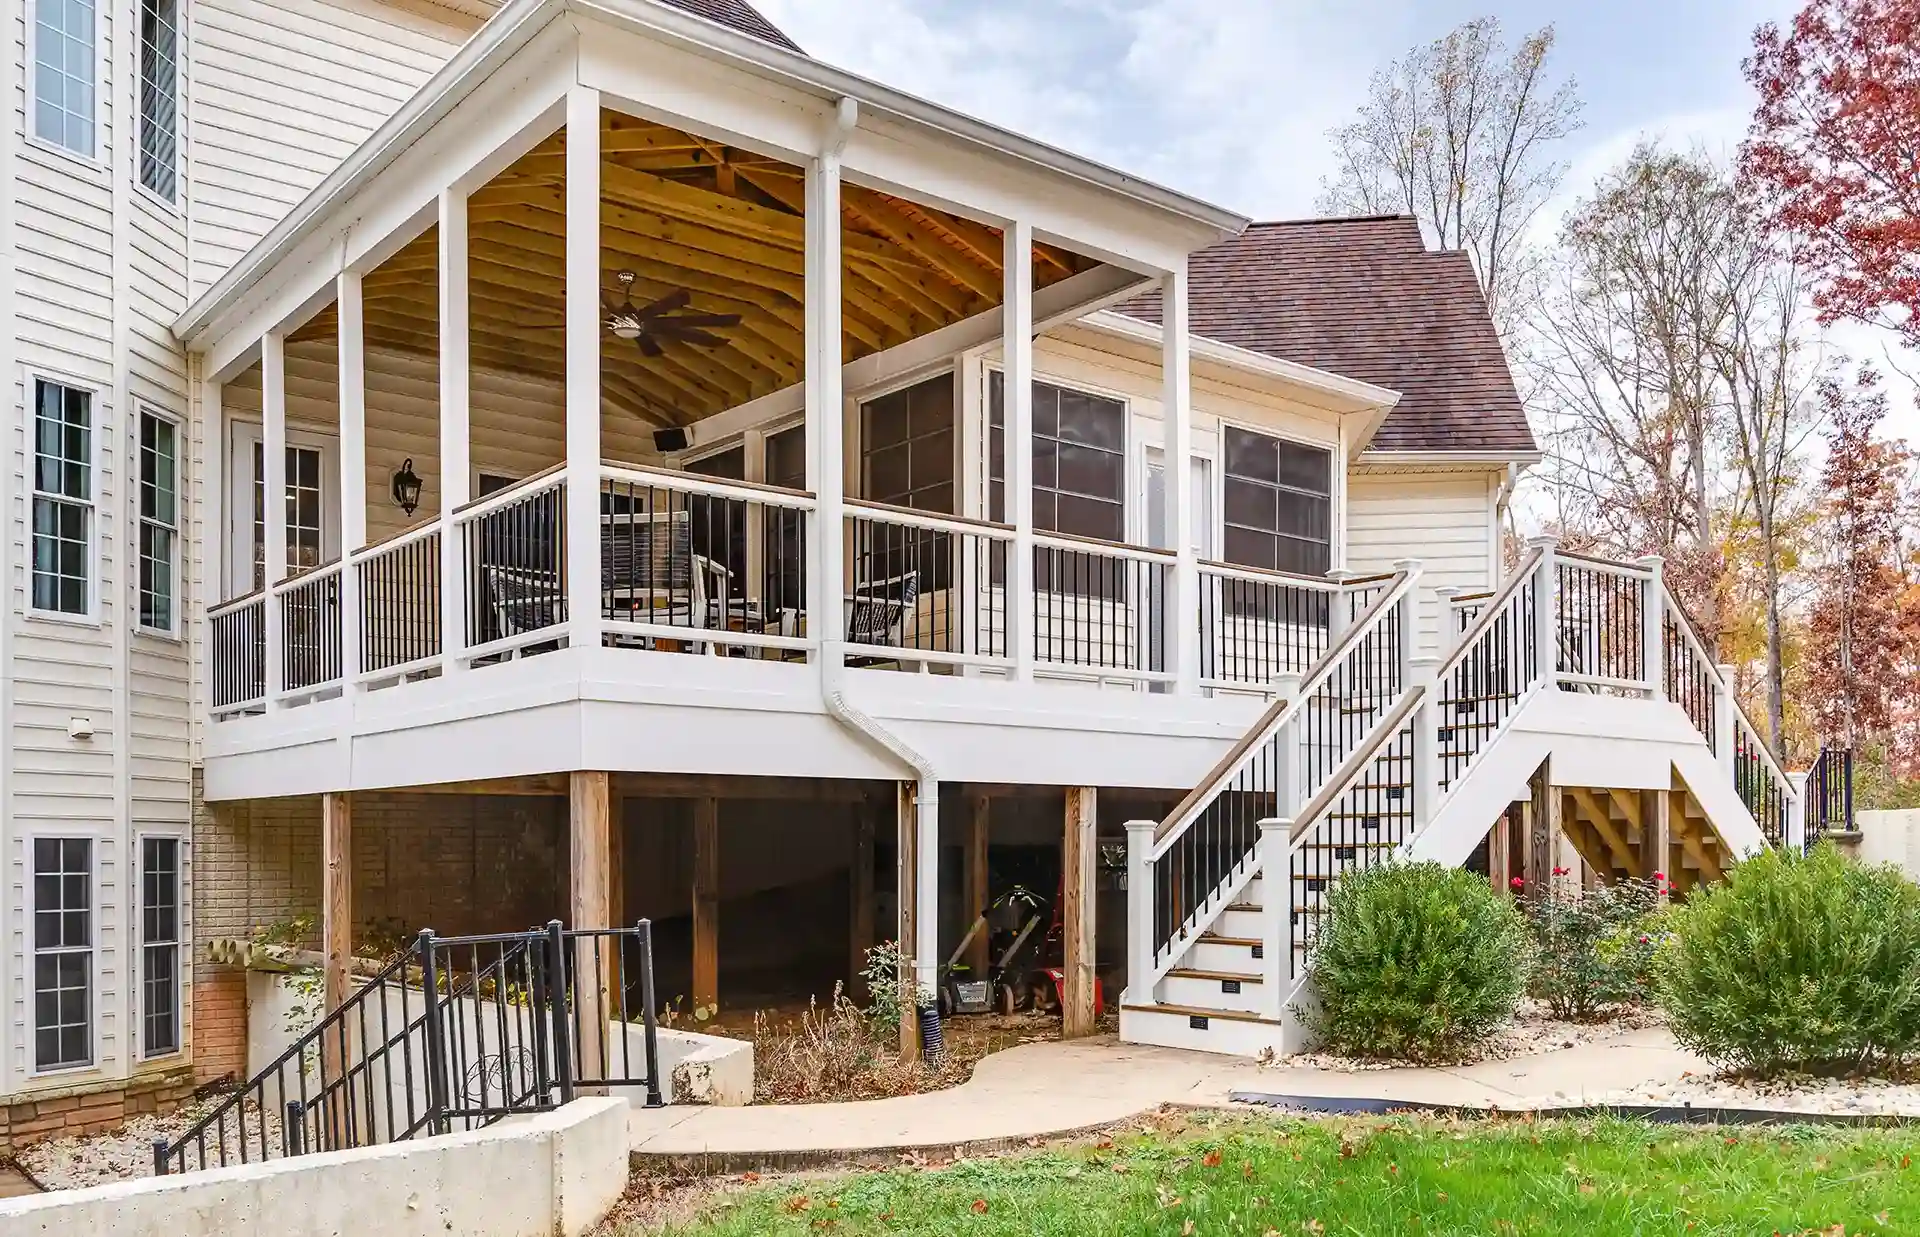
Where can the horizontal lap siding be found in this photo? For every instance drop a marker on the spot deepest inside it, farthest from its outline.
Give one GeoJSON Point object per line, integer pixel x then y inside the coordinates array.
{"type": "Point", "coordinates": [285, 90]}
{"type": "Point", "coordinates": [1443, 519]}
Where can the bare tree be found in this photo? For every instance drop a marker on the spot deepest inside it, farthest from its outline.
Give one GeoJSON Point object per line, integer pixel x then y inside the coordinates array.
{"type": "Point", "coordinates": [1460, 134]}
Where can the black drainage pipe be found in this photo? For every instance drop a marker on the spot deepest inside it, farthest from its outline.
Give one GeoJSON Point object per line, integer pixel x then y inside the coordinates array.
{"type": "Point", "coordinates": [1668, 1114]}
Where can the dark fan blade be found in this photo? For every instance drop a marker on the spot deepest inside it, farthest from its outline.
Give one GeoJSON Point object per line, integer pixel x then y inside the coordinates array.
{"type": "Point", "coordinates": [699, 337]}
{"type": "Point", "coordinates": [703, 320]}
{"type": "Point", "coordinates": [665, 305]}
{"type": "Point", "coordinates": [648, 345]}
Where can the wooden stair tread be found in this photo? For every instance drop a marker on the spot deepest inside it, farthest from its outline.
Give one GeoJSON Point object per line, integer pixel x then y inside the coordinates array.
{"type": "Point", "coordinates": [1244, 942]}
{"type": "Point", "coordinates": [1182, 972]}
{"type": "Point", "coordinates": [1192, 1011]}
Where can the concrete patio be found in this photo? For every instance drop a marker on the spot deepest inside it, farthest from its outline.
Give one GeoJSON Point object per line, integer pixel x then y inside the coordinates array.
{"type": "Point", "coordinates": [1050, 1089]}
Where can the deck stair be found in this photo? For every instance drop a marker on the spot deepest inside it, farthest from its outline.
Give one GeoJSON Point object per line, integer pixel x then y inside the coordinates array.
{"type": "Point", "coordinates": [1373, 754]}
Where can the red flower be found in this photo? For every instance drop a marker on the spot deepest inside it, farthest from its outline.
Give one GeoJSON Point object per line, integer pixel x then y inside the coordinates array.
{"type": "Point", "coordinates": [1659, 876]}
{"type": "Point", "coordinates": [1560, 871]}
{"type": "Point", "coordinates": [1519, 882]}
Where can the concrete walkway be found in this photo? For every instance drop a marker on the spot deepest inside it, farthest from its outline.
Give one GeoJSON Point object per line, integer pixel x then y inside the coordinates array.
{"type": "Point", "coordinates": [1037, 1090]}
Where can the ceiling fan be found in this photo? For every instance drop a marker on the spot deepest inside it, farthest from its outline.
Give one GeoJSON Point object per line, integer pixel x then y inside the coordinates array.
{"type": "Point", "coordinates": [662, 322]}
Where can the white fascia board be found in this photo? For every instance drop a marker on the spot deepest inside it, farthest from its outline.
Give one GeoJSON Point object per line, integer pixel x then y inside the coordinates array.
{"type": "Point", "coordinates": [1449, 459]}
{"type": "Point", "coordinates": [1349, 394]}
{"type": "Point", "coordinates": [519, 21]}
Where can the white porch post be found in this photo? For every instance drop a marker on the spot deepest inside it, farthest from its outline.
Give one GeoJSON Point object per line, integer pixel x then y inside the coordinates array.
{"type": "Point", "coordinates": [583, 368]}
{"type": "Point", "coordinates": [1421, 673]}
{"type": "Point", "coordinates": [1797, 813]}
{"type": "Point", "coordinates": [1017, 388]}
{"type": "Point", "coordinates": [1176, 372]}
{"type": "Point", "coordinates": [353, 465]}
{"type": "Point", "coordinates": [1653, 639]}
{"type": "Point", "coordinates": [1546, 612]}
{"type": "Point", "coordinates": [212, 495]}
{"type": "Point", "coordinates": [825, 424]}
{"type": "Point", "coordinates": [273, 476]}
{"type": "Point", "coordinates": [454, 483]}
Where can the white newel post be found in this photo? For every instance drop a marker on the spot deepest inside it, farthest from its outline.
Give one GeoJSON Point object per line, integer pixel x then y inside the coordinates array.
{"type": "Point", "coordinates": [1017, 390]}
{"type": "Point", "coordinates": [1276, 946]}
{"type": "Point", "coordinates": [1725, 706]}
{"type": "Point", "coordinates": [1409, 617]}
{"type": "Point", "coordinates": [455, 486]}
{"type": "Point", "coordinates": [1546, 605]}
{"type": "Point", "coordinates": [825, 423]}
{"type": "Point", "coordinates": [1796, 839]}
{"type": "Point", "coordinates": [1289, 774]}
{"type": "Point", "coordinates": [1653, 639]}
{"type": "Point", "coordinates": [583, 368]}
{"type": "Point", "coordinates": [1422, 674]}
{"type": "Point", "coordinates": [1448, 631]}
{"type": "Point", "coordinates": [1339, 618]}
{"type": "Point", "coordinates": [273, 477]}
{"type": "Point", "coordinates": [1177, 381]}
{"type": "Point", "coordinates": [353, 465]}
{"type": "Point", "coordinates": [1140, 912]}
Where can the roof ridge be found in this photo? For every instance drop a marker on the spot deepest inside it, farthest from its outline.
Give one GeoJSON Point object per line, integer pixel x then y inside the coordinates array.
{"type": "Point", "coordinates": [1312, 220]}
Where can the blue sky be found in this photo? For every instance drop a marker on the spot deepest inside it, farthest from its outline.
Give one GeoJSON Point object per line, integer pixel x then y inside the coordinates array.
{"type": "Point", "coordinates": [1232, 99]}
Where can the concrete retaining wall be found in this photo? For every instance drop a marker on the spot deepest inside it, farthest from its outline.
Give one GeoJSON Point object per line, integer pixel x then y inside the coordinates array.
{"type": "Point", "coordinates": [1891, 837]}
{"type": "Point", "coordinates": [559, 1173]}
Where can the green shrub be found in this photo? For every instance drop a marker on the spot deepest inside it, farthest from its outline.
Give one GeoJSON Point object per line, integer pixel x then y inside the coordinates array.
{"type": "Point", "coordinates": [1588, 948]}
{"type": "Point", "coordinates": [1415, 962]}
{"type": "Point", "coordinates": [1796, 964]}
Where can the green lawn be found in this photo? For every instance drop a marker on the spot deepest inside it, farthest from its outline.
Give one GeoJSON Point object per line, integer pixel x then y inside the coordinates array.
{"type": "Point", "coordinates": [1255, 1176]}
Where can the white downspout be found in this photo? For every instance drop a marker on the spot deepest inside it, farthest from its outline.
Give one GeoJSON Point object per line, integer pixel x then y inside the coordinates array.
{"type": "Point", "coordinates": [926, 825]}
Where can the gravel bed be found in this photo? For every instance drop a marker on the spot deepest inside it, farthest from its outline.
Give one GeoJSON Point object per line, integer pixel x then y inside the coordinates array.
{"type": "Point", "coordinates": [1532, 1031]}
{"type": "Point", "coordinates": [76, 1162]}
{"type": "Point", "coordinates": [1826, 1096]}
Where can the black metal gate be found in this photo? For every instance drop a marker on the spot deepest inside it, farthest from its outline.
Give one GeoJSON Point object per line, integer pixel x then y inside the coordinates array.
{"type": "Point", "coordinates": [1829, 794]}
{"type": "Point", "coordinates": [454, 1033]}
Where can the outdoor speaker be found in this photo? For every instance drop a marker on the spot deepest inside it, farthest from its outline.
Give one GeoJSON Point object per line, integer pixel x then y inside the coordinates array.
{"type": "Point", "coordinates": [670, 440]}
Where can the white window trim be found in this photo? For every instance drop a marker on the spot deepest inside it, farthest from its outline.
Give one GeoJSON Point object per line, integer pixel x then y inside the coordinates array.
{"type": "Point", "coordinates": [177, 631]}
{"type": "Point", "coordinates": [1336, 482]}
{"type": "Point", "coordinates": [182, 941]}
{"type": "Point", "coordinates": [178, 204]}
{"type": "Point", "coordinates": [91, 160]}
{"type": "Point", "coordinates": [93, 950]}
{"type": "Point", "coordinates": [95, 447]}
{"type": "Point", "coordinates": [242, 433]}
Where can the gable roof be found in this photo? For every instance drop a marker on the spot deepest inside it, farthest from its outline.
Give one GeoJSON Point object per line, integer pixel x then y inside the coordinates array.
{"type": "Point", "coordinates": [1367, 299]}
{"type": "Point", "coordinates": [741, 16]}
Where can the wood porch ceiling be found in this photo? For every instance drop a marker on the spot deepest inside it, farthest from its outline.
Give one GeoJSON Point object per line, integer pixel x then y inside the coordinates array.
{"type": "Point", "coordinates": [723, 224]}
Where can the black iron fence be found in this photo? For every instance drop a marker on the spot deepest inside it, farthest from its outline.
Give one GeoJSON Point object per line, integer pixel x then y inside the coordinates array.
{"type": "Point", "coordinates": [454, 1033]}
{"type": "Point", "coordinates": [1829, 794]}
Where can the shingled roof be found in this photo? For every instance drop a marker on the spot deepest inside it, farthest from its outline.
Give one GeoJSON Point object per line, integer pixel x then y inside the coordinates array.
{"type": "Point", "coordinates": [1367, 299]}
{"type": "Point", "coordinates": [741, 16]}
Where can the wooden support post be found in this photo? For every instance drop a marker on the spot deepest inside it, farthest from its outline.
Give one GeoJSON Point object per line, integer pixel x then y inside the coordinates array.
{"type": "Point", "coordinates": [617, 862]}
{"type": "Point", "coordinates": [974, 872]}
{"type": "Point", "coordinates": [906, 889]}
{"type": "Point", "coordinates": [1543, 825]}
{"type": "Point", "coordinates": [1656, 836]}
{"type": "Point", "coordinates": [1499, 854]}
{"type": "Point", "coordinates": [589, 903]}
{"type": "Point", "coordinates": [336, 933]}
{"type": "Point", "coordinates": [860, 901]}
{"type": "Point", "coordinates": [1077, 853]}
{"type": "Point", "coordinates": [706, 902]}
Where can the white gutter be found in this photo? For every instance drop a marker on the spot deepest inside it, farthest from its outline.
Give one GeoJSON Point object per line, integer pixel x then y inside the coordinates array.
{"type": "Point", "coordinates": [926, 824]}
{"type": "Point", "coordinates": [1458, 459]}
{"type": "Point", "coordinates": [519, 20]}
{"type": "Point", "coordinates": [1362, 394]}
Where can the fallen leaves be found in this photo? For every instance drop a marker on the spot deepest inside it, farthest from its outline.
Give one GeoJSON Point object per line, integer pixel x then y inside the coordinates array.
{"type": "Point", "coordinates": [979, 1206]}
{"type": "Point", "coordinates": [798, 1203]}
{"type": "Point", "coordinates": [1211, 1159]}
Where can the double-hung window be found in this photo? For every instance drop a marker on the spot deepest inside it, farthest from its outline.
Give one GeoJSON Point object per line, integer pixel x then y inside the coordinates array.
{"type": "Point", "coordinates": [65, 65]}
{"type": "Point", "coordinates": [1278, 503]}
{"type": "Point", "coordinates": [159, 96]}
{"type": "Point", "coordinates": [159, 946]}
{"type": "Point", "coordinates": [159, 520]}
{"type": "Point", "coordinates": [62, 498]}
{"type": "Point", "coordinates": [62, 953]}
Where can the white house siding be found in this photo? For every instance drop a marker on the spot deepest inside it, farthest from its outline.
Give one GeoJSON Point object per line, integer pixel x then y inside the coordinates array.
{"type": "Point", "coordinates": [1444, 519]}
{"type": "Point", "coordinates": [285, 90]}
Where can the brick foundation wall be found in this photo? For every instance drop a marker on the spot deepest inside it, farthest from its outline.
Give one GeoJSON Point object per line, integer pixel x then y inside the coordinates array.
{"type": "Point", "coordinates": [95, 1108]}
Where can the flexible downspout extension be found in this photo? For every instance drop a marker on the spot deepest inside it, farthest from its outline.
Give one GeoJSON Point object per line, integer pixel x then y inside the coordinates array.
{"type": "Point", "coordinates": [926, 825]}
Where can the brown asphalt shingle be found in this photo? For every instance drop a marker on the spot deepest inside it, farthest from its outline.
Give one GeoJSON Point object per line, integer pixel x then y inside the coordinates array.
{"type": "Point", "coordinates": [741, 16]}
{"type": "Point", "coordinates": [1365, 298]}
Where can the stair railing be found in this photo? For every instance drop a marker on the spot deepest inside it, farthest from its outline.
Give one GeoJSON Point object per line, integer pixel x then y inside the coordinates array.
{"type": "Point", "coordinates": [1187, 870]}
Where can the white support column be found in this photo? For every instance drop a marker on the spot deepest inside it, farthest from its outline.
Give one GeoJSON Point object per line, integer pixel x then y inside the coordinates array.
{"type": "Point", "coordinates": [353, 464]}
{"type": "Point", "coordinates": [1421, 673]}
{"type": "Point", "coordinates": [1017, 356]}
{"type": "Point", "coordinates": [1796, 839]}
{"type": "Point", "coordinates": [273, 475]}
{"type": "Point", "coordinates": [583, 368]}
{"type": "Point", "coordinates": [826, 425]}
{"type": "Point", "coordinates": [1177, 400]}
{"type": "Point", "coordinates": [1276, 942]}
{"type": "Point", "coordinates": [1653, 639]}
{"type": "Point", "coordinates": [1546, 612]}
{"type": "Point", "coordinates": [1139, 912]}
{"type": "Point", "coordinates": [454, 414]}
{"type": "Point", "coordinates": [212, 494]}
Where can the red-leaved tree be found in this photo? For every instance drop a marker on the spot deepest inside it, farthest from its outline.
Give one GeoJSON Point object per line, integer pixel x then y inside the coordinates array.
{"type": "Point", "coordinates": [1833, 151]}
{"type": "Point", "coordinates": [1864, 627]}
